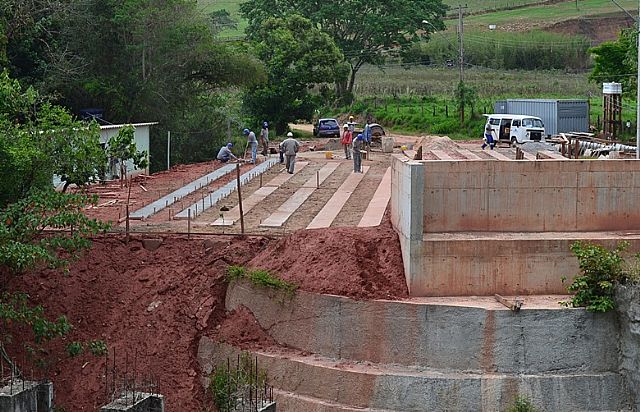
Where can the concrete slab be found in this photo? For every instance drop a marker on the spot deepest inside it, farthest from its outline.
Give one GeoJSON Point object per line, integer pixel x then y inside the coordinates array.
{"type": "Point", "coordinates": [442, 155]}
{"type": "Point", "coordinates": [378, 204]}
{"type": "Point", "coordinates": [546, 154]}
{"type": "Point", "coordinates": [288, 208]}
{"type": "Point", "coordinates": [469, 154]}
{"type": "Point", "coordinates": [225, 190]}
{"type": "Point", "coordinates": [284, 177]}
{"type": "Point", "coordinates": [497, 155]}
{"type": "Point", "coordinates": [332, 208]}
{"type": "Point", "coordinates": [529, 156]}
{"type": "Point", "coordinates": [257, 197]}
{"type": "Point", "coordinates": [176, 195]}
{"type": "Point", "coordinates": [284, 212]}
{"type": "Point", "coordinates": [322, 175]}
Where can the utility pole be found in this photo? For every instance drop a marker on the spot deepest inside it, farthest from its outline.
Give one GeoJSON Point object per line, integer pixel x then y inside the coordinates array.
{"type": "Point", "coordinates": [461, 61]}
{"type": "Point", "coordinates": [638, 87]}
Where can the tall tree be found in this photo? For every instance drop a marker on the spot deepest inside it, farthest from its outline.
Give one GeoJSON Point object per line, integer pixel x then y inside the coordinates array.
{"type": "Point", "coordinates": [366, 31]}
{"type": "Point", "coordinates": [297, 56]}
{"type": "Point", "coordinates": [616, 61]}
{"type": "Point", "coordinates": [38, 139]}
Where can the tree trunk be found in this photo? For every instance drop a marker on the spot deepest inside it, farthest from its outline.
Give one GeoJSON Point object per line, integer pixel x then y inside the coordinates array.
{"type": "Point", "coordinates": [352, 79]}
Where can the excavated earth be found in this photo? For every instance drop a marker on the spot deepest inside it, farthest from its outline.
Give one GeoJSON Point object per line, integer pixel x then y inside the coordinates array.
{"type": "Point", "coordinates": [155, 305]}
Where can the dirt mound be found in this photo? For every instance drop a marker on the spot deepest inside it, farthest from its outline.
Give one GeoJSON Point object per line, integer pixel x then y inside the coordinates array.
{"type": "Point", "coordinates": [438, 143]}
{"type": "Point", "coordinates": [157, 304]}
{"type": "Point", "coordinates": [361, 263]}
{"type": "Point", "coordinates": [598, 29]}
{"type": "Point", "coordinates": [240, 328]}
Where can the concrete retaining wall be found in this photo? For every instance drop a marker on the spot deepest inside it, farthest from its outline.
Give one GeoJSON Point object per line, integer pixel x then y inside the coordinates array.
{"type": "Point", "coordinates": [483, 227]}
{"type": "Point", "coordinates": [628, 307]}
{"type": "Point", "coordinates": [439, 336]}
{"type": "Point", "coordinates": [531, 196]}
{"type": "Point", "coordinates": [390, 388]}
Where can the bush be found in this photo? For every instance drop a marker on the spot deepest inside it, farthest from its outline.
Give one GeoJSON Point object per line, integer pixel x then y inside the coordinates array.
{"type": "Point", "coordinates": [600, 270]}
{"type": "Point", "coordinates": [522, 404]}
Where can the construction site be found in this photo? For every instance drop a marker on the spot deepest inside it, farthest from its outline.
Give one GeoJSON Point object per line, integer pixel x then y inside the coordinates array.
{"type": "Point", "coordinates": [431, 281]}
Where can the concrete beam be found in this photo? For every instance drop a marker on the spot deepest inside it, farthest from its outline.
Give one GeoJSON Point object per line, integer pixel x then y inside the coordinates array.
{"type": "Point", "coordinates": [378, 204]}
{"type": "Point", "coordinates": [332, 208]}
{"type": "Point", "coordinates": [257, 197]}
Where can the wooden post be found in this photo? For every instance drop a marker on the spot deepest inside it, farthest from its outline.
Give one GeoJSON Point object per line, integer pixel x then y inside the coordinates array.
{"type": "Point", "coordinates": [189, 223]}
{"type": "Point", "coordinates": [240, 199]}
{"type": "Point", "coordinates": [127, 225]}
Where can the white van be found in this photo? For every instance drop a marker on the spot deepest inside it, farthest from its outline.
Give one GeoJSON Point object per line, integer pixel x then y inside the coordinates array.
{"type": "Point", "coordinates": [515, 128]}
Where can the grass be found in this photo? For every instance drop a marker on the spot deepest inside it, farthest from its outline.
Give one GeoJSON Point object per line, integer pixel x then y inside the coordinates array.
{"type": "Point", "coordinates": [261, 278]}
{"type": "Point", "coordinates": [233, 7]}
{"type": "Point", "coordinates": [394, 80]}
{"type": "Point", "coordinates": [541, 15]}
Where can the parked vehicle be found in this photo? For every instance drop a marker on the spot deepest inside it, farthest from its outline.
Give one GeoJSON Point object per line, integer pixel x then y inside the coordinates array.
{"type": "Point", "coordinates": [326, 128]}
{"type": "Point", "coordinates": [515, 128]}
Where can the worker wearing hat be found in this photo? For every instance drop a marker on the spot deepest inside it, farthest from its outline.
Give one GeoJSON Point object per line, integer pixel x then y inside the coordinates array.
{"type": "Point", "coordinates": [352, 125]}
{"type": "Point", "coordinates": [290, 147]}
{"type": "Point", "coordinates": [264, 138]}
{"type": "Point", "coordinates": [253, 142]}
{"type": "Point", "coordinates": [358, 143]}
{"type": "Point", "coordinates": [224, 155]}
{"type": "Point", "coordinates": [346, 139]}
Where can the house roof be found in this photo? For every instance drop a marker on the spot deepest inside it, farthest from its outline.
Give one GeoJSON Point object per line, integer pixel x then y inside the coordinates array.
{"type": "Point", "coordinates": [117, 126]}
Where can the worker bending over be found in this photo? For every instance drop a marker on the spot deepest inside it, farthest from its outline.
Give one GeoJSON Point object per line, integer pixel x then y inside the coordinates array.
{"type": "Point", "coordinates": [224, 155]}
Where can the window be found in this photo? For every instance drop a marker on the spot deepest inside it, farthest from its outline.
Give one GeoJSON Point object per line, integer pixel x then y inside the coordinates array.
{"type": "Point", "coordinates": [494, 122]}
{"type": "Point", "coordinates": [515, 123]}
{"type": "Point", "coordinates": [328, 123]}
{"type": "Point", "coordinates": [532, 123]}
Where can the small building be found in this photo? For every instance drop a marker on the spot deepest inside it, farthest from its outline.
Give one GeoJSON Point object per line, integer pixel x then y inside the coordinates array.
{"type": "Point", "coordinates": [141, 137]}
{"type": "Point", "coordinates": [559, 116]}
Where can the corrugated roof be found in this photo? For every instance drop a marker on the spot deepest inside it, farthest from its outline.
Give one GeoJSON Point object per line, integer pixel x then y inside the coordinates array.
{"type": "Point", "coordinates": [117, 126]}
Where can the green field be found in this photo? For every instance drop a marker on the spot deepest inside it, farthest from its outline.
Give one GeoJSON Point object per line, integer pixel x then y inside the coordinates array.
{"type": "Point", "coordinates": [233, 7]}
{"type": "Point", "coordinates": [528, 18]}
{"type": "Point", "coordinates": [520, 19]}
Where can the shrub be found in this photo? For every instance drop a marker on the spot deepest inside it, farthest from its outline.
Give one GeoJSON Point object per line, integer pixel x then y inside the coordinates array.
{"type": "Point", "coordinates": [522, 404]}
{"type": "Point", "coordinates": [600, 270]}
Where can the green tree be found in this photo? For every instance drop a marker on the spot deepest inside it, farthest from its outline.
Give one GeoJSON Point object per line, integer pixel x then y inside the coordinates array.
{"type": "Point", "coordinates": [122, 148]}
{"type": "Point", "coordinates": [616, 61]}
{"type": "Point", "coordinates": [34, 137]}
{"type": "Point", "coordinates": [39, 140]}
{"type": "Point", "coordinates": [297, 56]}
{"type": "Point", "coordinates": [153, 60]}
{"type": "Point", "coordinates": [366, 31]}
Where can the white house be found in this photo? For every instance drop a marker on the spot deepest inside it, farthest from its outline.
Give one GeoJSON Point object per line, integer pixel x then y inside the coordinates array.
{"type": "Point", "coordinates": [141, 137]}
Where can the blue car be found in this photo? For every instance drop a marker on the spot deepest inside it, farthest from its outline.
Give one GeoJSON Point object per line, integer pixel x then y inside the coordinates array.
{"type": "Point", "coordinates": [326, 128]}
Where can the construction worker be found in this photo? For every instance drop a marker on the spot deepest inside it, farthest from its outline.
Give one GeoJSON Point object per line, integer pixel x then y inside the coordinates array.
{"type": "Point", "coordinates": [347, 137]}
{"type": "Point", "coordinates": [253, 142]}
{"type": "Point", "coordinates": [224, 155]}
{"type": "Point", "coordinates": [366, 137]}
{"type": "Point", "coordinates": [352, 125]}
{"type": "Point", "coordinates": [290, 147]}
{"type": "Point", "coordinates": [358, 143]}
{"type": "Point", "coordinates": [264, 138]}
{"type": "Point", "coordinates": [488, 138]}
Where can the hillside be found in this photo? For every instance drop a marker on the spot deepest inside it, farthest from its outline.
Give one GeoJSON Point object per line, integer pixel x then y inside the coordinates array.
{"type": "Point", "coordinates": [599, 20]}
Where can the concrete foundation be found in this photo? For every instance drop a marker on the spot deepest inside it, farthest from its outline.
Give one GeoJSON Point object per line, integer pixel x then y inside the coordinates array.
{"type": "Point", "coordinates": [487, 226]}
{"type": "Point", "coordinates": [433, 354]}
{"type": "Point", "coordinates": [144, 402]}
{"type": "Point", "coordinates": [26, 397]}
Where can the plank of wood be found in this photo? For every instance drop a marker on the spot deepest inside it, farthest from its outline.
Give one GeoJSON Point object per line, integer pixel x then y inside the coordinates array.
{"type": "Point", "coordinates": [497, 155]}
{"type": "Point", "coordinates": [332, 208]}
{"type": "Point", "coordinates": [442, 155]}
{"type": "Point", "coordinates": [378, 204]}
{"type": "Point", "coordinates": [288, 208]}
{"type": "Point", "coordinates": [468, 154]}
{"type": "Point", "coordinates": [257, 197]}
